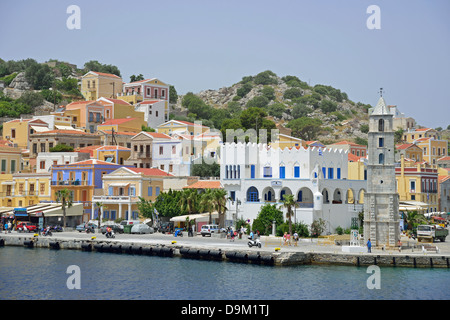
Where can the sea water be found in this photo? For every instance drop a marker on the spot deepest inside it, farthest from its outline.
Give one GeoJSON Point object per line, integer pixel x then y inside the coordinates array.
{"type": "Point", "coordinates": [41, 274]}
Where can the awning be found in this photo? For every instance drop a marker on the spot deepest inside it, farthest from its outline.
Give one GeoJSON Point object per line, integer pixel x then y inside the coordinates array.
{"type": "Point", "coordinates": [414, 203]}
{"type": "Point", "coordinates": [194, 216]}
{"type": "Point", "coordinates": [119, 184]}
{"type": "Point", "coordinates": [39, 129]}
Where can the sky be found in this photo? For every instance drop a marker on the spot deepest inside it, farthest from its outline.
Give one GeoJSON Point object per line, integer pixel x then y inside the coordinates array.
{"type": "Point", "coordinates": [197, 45]}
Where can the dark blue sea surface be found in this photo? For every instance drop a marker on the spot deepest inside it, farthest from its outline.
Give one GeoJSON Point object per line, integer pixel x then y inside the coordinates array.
{"type": "Point", "coordinates": [39, 274]}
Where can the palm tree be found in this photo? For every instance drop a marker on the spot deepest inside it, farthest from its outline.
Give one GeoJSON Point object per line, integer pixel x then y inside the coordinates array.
{"type": "Point", "coordinates": [66, 198]}
{"type": "Point", "coordinates": [207, 203]}
{"type": "Point", "coordinates": [220, 199]}
{"type": "Point", "coordinates": [189, 200]}
{"type": "Point", "coordinates": [99, 205]}
{"type": "Point", "coordinates": [413, 219]}
{"type": "Point", "coordinates": [288, 203]}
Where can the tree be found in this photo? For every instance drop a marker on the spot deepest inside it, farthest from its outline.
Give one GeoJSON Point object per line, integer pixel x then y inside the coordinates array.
{"type": "Point", "coordinates": [267, 214]}
{"type": "Point", "coordinates": [94, 65]}
{"type": "Point", "coordinates": [305, 128]}
{"type": "Point", "coordinates": [99, 206]}
{"type": "Point", "coordinates": [66, 198]}
{"type": "Point", "coordinates": [265, 78]}
{"type": "Point", "coordinates": [189, 200]}
{"type": "Point", "coordinates": [257, 102]}
{"type": "Point", "coordinates": [398, 136]}
{"type": "Point", "coordinates": [31, 99]}
{"type": "Point", "coordinates": [289, 202]}
{"type": "Point", "coordinates": [268, 92]}
{"type": "Point", "coordinates": [317, 227]}
{"type": "Point", "coordinates": [173, 95]}
{"type": "Point", "coordinates": [220, 199]}
{"type": "Point", "coordinates": [364, 128]}
{"type": "Point", "coordinates": [134, 78]}
{"type": "Point", "coordinates": [206, 203]}
{"type": "Point", "coordinates": [206, 169]}
{"type": "Point", "coordinates": [292, 93]}
{"type": "Point", "coordinates": [167, 204]}
{"type": "Point", "coordinates": [246, 88]}
{"type": "Point", "coordinates": [300, 110]}
{"type": "Point", "coordinates": [61, 148]}
{"type": "Point", "coordinates": [40, 76]}
{"type": "Point", "coordinates": [276, 110]}
{"type": "Point", "coordinates": [414, 219]}
{"type": "Point", "coordinates": [328, 106]}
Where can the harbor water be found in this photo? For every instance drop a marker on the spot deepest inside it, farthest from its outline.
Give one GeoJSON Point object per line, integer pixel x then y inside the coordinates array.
{"type": "Point", "coordinates": [41, 274]}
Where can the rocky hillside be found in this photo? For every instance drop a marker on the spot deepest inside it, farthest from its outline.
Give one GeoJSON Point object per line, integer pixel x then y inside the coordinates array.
{"type": "Point", "coordinates": [288, 98]}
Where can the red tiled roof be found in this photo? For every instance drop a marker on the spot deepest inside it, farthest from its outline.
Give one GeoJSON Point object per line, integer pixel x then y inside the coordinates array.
{"type": "Point", "coordinates": [157, 135]}
{"type": "Point", "coordinates": [353, 158]}
{"type": "Point", "coordinates": [205, 184]}
{"type": "Point", "coordinates": [404, 146]}
{"type": "Point", "coordinates": [423, 129]}
{"type": "Point", "coordinates": [149, 101]}
{"type": "Point", "coordinates": [151, 171]}
{"type": "Point", "coordinates": [444, 159]}
{"type": "Point", "coordinates": [443, 178]}
{"type": "Point", "coordinates": [106, 74]}
{"type": "Point", "coordinates": [89, 149]}
{"type": "Point", "coordinates": [94, 161]}
{"type": "Point", "coordinates": [115, 101]}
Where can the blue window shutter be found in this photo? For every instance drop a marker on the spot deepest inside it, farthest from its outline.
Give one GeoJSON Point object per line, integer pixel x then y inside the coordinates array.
{"type": "Point", "coordinates": [338, 173]}
{"type": "Point", "coordinates": [296, 172]}
{"type": "Point", "coordinates": [282, 173]}
{"type": "Point", "coordinates": [252, 171]}
{"type": "Point", "coordinates": [157, 191]}
{"type": "Point", "coordinates": [150, 191]}
{"type": "Point", "coordinates": [110, 191]}
{"type": "Point", "coordinates": [324, 172]}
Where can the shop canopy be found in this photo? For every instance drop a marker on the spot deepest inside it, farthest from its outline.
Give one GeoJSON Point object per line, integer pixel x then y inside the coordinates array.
{"type": "Point", "coordinates": [194, 217]}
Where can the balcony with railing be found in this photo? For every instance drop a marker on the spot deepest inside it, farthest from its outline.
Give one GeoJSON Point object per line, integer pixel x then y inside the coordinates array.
{"type": "Point", "coordinates": [69, 182]}
{"type": "Point", "coordinates": [115, 199]}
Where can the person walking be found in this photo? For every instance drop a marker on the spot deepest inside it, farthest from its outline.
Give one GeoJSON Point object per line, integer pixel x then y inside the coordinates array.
{"type": "Point", "coordinates": [369, 246]}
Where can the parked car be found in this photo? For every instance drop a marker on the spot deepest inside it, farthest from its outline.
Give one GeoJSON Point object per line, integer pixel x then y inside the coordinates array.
{"type": "Point", "coordinates": [82, 227]}
{"type": "Point", "coordinates": [166, 227]}
{"type": "Point", "coordinates": [141, 228]}
{"type": "Point", "coordinates": [209, 229]}
{"type": "Point", "coordinates": [30, 227]}
{"type": "Point", "coordinates": [115, 227]}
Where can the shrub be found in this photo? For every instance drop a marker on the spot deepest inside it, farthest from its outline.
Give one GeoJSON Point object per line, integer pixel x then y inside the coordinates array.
{"type": "Point", "coordinates": [246, 88]}
{"type": "Point", "coordinates": [265, 78]}
{"type": "Point", "coordinates": [292, 93]}
{"type": "Point", "coordinates": [328, 106]}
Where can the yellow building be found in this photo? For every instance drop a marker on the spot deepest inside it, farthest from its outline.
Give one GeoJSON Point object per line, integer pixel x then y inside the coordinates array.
{"type": "Point", "coordinates": [123, 125]}
{"type": "Point", "coordinates": [429, 141]}
{"type": "Point", "coordinates": [122, 189]}
{"type": "Point", "coordinates": [26, 189]}
{"type": "Point", "coordinates": [181, 127]}
{"type": "Point", "coordinates": [409, 151]}
{"type": "Point", "coordinates": [17, 131]}
{"type": "Point", "coordinates": [112, 154]}
{"type": "Point", "coordinates": [98, 84]}
{"type": "Point", "coordinates": [286, 141]}
{"type": "Point", "coordinates": [148, 89]}
{"type": "Point", "coordinates": [119, 109]}
{"type": "Point", "coordinates": [417, 185]}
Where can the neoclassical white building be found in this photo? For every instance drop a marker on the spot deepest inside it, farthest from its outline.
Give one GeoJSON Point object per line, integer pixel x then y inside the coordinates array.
{"type": "Point", "coordinates": [256, 174]}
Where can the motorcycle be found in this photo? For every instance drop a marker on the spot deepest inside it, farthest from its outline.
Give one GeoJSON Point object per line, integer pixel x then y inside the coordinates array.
{"type": "Point", "coordinates": [89, 230]}
{"type": "Point", "coordinates": [46, 232]}
{"type": "Point", "coordinates": [254, 243]}
{"type": "Point", "coordinates": [110, 234]}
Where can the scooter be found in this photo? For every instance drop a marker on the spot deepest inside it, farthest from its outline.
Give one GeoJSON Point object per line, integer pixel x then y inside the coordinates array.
{"type": "Point", "coordinates": [46, 232]}
{"type": "Point", "coordinates": [110, 234]}
{"type": "Point", "coordinates": [89, 230]}
{"type": "Point", "coordinates": [254, 243]}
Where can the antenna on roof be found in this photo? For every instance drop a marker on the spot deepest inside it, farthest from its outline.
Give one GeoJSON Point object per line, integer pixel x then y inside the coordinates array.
{"type": "Point", "coordinates": [381, 92]}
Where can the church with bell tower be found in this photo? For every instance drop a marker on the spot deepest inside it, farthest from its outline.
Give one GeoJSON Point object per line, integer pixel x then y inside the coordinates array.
{"type": "Point", "coordinates": [381, 216]}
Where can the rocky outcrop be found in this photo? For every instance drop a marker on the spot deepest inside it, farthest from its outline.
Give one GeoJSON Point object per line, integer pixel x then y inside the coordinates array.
{"type": "Point", "coordinates": [17, 87]}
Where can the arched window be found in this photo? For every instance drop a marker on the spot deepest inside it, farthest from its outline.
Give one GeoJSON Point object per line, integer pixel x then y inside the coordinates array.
{"type": "Point", "coordinates": [252, 194]}
{"type": "Point", "coordinates": [381, 125]}
{"type": "Point", "coordinates": [381, 158]}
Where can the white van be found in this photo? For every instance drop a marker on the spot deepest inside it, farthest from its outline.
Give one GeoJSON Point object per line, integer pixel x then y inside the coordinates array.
{"type": "Point", "coordinates": [127, 222]}
{"type": "Point", "coordinates": [207, 229]}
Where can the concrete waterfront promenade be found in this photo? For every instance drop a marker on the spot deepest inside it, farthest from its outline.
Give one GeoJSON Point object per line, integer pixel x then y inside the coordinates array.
{"type": "Point", "coordinates": [308, 251]}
